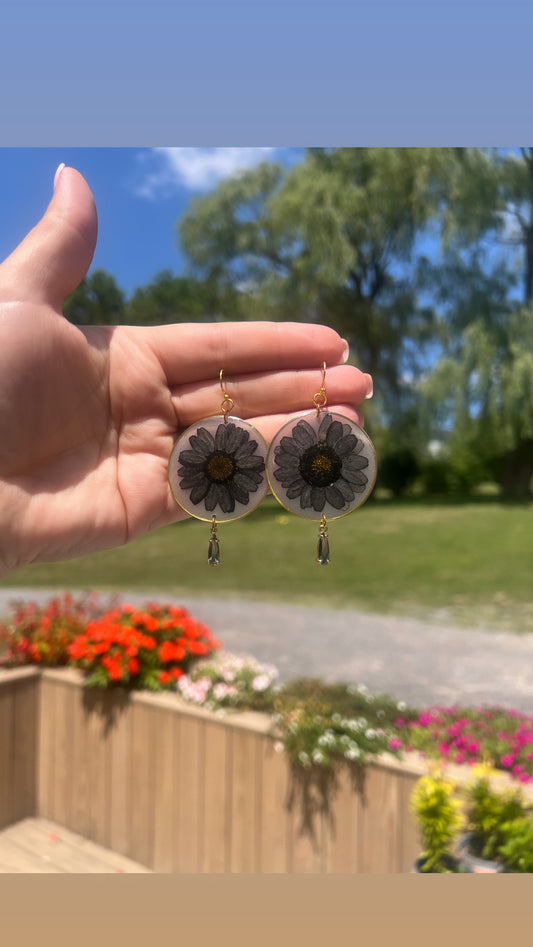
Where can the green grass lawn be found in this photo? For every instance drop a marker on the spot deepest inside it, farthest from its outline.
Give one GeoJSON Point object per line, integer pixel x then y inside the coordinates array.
{"type": "Point", "coordinates": [468, 563]}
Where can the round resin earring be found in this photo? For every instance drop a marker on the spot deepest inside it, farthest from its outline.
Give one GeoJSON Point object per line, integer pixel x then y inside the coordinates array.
{"type": "Point", "coordinates": [217, 471]}
{"type": "Point", "coordinates": [321, 466]}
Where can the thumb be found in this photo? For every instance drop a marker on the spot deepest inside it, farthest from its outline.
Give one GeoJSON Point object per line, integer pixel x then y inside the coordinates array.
{"type": "Point", "coordinates": [54, 257]}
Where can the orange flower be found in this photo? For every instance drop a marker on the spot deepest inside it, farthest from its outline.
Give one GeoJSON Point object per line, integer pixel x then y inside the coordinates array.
{"type": "Point", "coordinates": [133, 666]}
{"type": "Point", "coordinates": [166, 651]}
{"type": "Point", "coordinates": [165, 677]}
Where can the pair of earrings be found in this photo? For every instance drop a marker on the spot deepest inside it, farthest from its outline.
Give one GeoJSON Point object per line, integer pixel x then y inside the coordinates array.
{"type": "Point", "coordinates": [320, 466]}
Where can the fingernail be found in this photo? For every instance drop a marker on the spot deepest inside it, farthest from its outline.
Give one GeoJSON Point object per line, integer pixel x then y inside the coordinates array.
{"type": "Point", "coordinates": [369, 386]}
{"type": "Point", "coordinates": [58, 172]}
{"type": "Point", "coordinates": [345, 351]}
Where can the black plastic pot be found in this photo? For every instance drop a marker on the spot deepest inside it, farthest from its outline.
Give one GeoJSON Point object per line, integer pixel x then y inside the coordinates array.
{"type": "Point", "coordinates": [474, 864]}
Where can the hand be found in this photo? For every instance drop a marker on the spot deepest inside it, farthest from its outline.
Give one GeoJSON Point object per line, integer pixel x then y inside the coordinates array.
{"type": "Point", "coordinates": [88, 416]}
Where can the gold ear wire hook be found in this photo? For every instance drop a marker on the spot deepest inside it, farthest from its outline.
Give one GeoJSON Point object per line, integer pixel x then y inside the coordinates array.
{"type": "Point", "coordinates": [228, 402]}
{"type": "Point", "coordinates": [320, 399]}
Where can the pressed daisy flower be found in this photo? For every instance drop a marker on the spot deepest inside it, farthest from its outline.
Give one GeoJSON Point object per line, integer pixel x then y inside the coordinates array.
{"type": "Point", "coordinates": [220, 468]}
{"type": "Point", "coordinates": [323, 464]}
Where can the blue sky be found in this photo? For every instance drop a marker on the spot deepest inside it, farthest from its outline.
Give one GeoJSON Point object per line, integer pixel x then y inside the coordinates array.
{"type": "Point", "coordinates": [140, 194]}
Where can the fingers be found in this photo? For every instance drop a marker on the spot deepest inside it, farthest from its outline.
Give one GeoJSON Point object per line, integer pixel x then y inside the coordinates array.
{"type": "Point", "coordinates": [272, 393]}
{"type": "Point", "coordinates": [55, 256]}
{"type": "Point", "coordinates": [196, 352]}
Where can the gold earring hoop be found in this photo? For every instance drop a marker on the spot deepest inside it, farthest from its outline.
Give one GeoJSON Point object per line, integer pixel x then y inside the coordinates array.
{"type": "Point", "coordinates": [216, 470]}
{"type": "Point", "coordinates": [321, 467]}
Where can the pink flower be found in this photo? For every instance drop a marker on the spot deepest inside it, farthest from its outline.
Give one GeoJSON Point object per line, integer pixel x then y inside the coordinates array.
{"type": "Point", "coordinates": [394, 743]}
{"type": "Point", "coordinates": [507, 760]}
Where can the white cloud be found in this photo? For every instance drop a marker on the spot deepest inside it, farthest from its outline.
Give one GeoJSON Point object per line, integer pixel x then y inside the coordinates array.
{"type": "Point", "coordinates": [197, 169]}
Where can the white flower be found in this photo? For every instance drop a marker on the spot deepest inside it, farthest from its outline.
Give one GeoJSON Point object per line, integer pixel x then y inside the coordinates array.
{"type": "Point", "coordinates": [278, 747]}
{"type": "Point", "coordinates": [370, 734]}
{"type": "Point", "coordinates": [220, 691]}
{"type": "Point", "coordinates": [261, 682]}
{"type": "Point", "coordinates": [401, 705]}
{"type": "Point", "coordinates": [353, 753]}
{"type": "Point", "coordinates": [304, 758]}
{"type": "Point", "coordinates": [318, 757]}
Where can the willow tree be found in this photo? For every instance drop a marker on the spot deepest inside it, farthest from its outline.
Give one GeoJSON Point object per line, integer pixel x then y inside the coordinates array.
{"type": "Point", "coordinates": [482, 385]}
{"type": "Point", "coordinates": [334, 239]}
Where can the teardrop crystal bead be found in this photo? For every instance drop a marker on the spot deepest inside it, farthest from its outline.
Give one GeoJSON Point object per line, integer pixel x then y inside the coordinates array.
{"type": "Point", "coordinates": [323, 550]}
{"type": "Point", "coordinates": [213, 555]}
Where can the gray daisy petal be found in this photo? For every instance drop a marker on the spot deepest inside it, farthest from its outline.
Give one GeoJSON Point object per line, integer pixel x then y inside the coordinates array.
{"type": "Point", "coordinates": [346, 489]}
{"type": "Point", "coordinates": [238, 491]}
{"type": "Point", "coordinates": [285, 459]}
{"type": "Point", "coordinates": [294, 489]}
{"type": "Point", "coordinates": [192, 458]}
{"type": "Point", "coordinates": [287, 478]}
{"type": "Point", "coordinates": [355, 478]}
{"type": "Point", "coordinates": [324, 427]}
{"type": "Point", "coordinates": [191, 479]}
{"type": "Point", "coordinates": [251, 463]}
{"type": "Point", "coordinates": [335, 497]}
{"type": "Point", "coordinates": [245, 449]}
{"type": "Point", "coordinates": [352, 464]}
{"type": "Point", "coordinates": [318, 498]}
{"type": "Point", "coordinates": [199, 492]}
{"type": "Point", "coordinates": [220, 437]}
{"type": "Point", "coordinates": [225, 500]}
{"type": "Point", "coordinates": [305, 497]}
{"type": "Point", "coordinates": [334, 433]}
{"type": "Point", "coordinates": [346, 444]}
{"type": "Point", "coordinates": [304, 435]}
{"type": "Point", "coordinates": [235, 436]}
{"type": "Point", "coordinates": [287, 444]}
{"type": "Point", "coordinates": [211, 499]}
{"type": "Point", "coordinates": [248, 481]}
{"type": "Point", "coordinates": [202, 440]}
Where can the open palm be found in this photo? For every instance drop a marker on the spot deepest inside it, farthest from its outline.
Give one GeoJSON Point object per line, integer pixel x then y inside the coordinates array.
{"type": "Point", "coordinates": [90, 415]}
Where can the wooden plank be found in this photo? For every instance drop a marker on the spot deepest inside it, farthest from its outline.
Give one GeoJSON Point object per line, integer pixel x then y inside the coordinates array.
{"type": "Point", "coordinates": [60, 782]}
{"type": "Point", "coordinates": [79, 769]}
{"type": "Point", "coordinates": [120, 777]}
{"type": "Point", "coordinates": [25, 748]}
{"type": "Point", "coordinates": [273, 817]}
{"type": "Point", "coordinates": [216, 798]}
{"type": "Point", "coordinates": [343, 831]}
{"type": "Point", "coordinates": [15, 859]}
{"type": "Point", "coordinates": [379, 850]}
{"type": "Point", "coordinates": [142, 786]}
{"type": "Point", "coordinates": [309, 794]}
{"type": "Point", "coordinates": [243, 801]}
{"type": "Point", "coordinates": [42, 845]}
{"type": "Point", "coordinates": [189, 761]}
{"type": "Point", "coordinates": [99, 715]}
{"type": "Point", "coordinates": [167, 730]}
{"type": "Point", "coordinates": [6, 754]}
{"type": "Point", "coordinates": [46, 751]}
{"type": "Point", "coordinates": [408, 840]}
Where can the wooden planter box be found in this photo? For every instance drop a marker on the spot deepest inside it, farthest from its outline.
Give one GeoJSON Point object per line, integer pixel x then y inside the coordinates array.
{"type": "Point", "coordinates": [180, 789]}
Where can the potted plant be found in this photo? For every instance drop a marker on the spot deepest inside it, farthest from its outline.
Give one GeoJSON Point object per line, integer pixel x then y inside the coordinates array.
{"type": "Point", "coordinates": [517, 851]}
{"type": "Point", "coordinates": [489, 814]}
{"type": "Point", "coordinates": [439, 819]}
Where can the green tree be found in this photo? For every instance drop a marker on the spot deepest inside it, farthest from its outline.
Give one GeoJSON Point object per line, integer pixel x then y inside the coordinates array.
{"type": "Point", "coordinates": [170, 298]}
{"type": "Point", "coordinates": [482, 385]}
{"type": "Point", "coordinates": [333, 240]}
{"type": "Point", "coordinates": [98, 300]}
